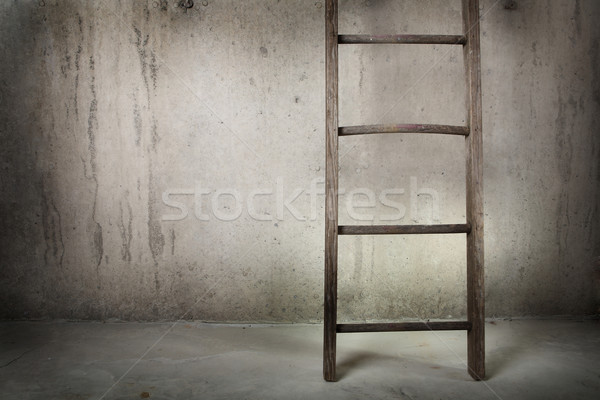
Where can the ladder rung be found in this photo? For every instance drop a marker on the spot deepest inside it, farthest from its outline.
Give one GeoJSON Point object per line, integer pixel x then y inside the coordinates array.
{"type": "Point", "coordinates": [402, 39]}
{"type": "Point", "coordinates": [405, 326]}
{"type": "Point", "coordinates": [403, 128]}
{"type": "Point", "coordinates": [402, 229]}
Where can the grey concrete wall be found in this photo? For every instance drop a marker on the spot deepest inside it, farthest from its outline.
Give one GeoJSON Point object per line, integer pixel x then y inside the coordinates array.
{"type": "Point", "coordinates": [162, 163]}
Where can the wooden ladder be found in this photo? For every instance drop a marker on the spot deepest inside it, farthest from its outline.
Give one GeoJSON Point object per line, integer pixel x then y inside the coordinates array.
{"type": "Point", "coordinates": [473, 228]}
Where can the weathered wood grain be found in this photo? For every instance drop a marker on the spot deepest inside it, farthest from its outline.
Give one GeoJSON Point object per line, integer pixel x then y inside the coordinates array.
{"type": "Point", "coordinates": [474, 177]}
{"type": "Point", "coordinates": [405, 326]}
{"type": "Point", "coordinates": [402, 39]}
{"type": "Point", "coordinates": [331, 189]}
{"type": "Point", "coordinates": [403, 128]}
{"type": "Point", "coordinates": [402, 229]}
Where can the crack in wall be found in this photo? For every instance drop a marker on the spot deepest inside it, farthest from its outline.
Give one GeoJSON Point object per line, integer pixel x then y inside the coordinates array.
{"type": "Point", "coordinates": [98, 241]}
{"type": "Point", "coordinates": [126, 231]}
{"type": "Point", "coordinates": [149, 72]}
{"type": "Point", "coordinates": [564, 154]}
{"type": "Point", "coordinates": [52, 226]}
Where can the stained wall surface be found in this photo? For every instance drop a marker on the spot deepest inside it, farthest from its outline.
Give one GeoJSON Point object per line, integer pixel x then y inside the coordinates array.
{"type": "Point", "coordinates": [160, 162]}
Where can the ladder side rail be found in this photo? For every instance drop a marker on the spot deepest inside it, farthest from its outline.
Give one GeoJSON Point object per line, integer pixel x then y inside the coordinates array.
{"type": "Point", "coordinates": [474, 198]}
{"type": "Point", "coordinates": [331, 189]}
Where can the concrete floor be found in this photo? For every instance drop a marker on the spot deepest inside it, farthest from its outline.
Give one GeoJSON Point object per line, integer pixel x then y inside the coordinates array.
{"type": "Point", "coordinates": [526, 359]}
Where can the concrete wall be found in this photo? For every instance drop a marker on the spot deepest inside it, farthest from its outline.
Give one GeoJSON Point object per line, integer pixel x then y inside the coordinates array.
{"type": "Point", "coordinates": [112, 111]}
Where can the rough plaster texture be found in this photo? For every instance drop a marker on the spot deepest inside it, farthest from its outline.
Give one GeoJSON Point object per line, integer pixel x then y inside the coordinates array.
{"type": "Point", "coordinates": [106, 107]}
